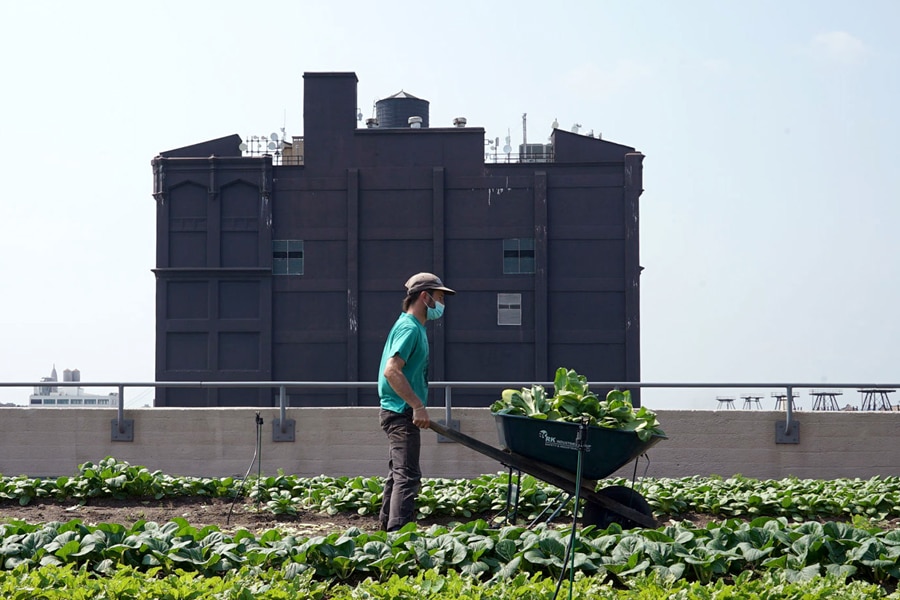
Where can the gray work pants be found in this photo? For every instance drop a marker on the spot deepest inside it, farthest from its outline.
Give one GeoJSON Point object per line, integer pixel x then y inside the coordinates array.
{"type": "Point", "coordinates": [404, 478]}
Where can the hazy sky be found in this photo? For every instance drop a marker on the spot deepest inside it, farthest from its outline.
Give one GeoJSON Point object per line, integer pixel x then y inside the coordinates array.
{"type": "Point", "coordinates": [768, 221]}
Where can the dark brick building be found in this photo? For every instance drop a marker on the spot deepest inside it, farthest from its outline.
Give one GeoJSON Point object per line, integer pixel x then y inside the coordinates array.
{"type": "Point", "coordinates": [289, 265]}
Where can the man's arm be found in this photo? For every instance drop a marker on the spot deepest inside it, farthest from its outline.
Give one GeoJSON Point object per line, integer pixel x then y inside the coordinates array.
{"type": "Point", "coordinates": [393, 372]}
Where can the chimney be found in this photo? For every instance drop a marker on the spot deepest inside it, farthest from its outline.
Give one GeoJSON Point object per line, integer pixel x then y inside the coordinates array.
{"type": "Point", "coordinates": [329, 119]}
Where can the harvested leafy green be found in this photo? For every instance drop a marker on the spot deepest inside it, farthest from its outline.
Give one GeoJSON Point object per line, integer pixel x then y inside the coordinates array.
{"type": "Point", "coordinates": [573, 401]}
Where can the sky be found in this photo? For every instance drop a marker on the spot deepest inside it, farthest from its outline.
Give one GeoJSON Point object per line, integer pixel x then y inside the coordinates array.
{"type": "Point", "coordinates": [767, 225]}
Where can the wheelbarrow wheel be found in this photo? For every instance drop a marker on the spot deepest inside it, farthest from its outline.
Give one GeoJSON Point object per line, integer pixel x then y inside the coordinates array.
{"type": "Point", "coordinates": [596, 514]}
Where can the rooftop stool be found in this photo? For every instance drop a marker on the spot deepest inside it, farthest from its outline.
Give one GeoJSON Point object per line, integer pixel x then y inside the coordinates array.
{"type": "Point", "coordinates": [726, 402]}
{"type": "Point", "coordinates": [781, 401]}
{"type": "Point", "coordinates": [749, 401]}
{"type": "Point", "coordinates": [875, 399]}
{"type": "Point", "coordinates": [825, 399]}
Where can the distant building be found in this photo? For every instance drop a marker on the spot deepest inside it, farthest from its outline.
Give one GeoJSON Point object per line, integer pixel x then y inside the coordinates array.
{"type": "Point", "coordinates": [57, 396]}
{"type": "Point", "coordinates": [284, 260]}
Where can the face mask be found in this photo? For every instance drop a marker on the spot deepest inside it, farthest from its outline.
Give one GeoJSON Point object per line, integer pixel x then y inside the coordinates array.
{"type": "Point", "coordinates": [433, 314]}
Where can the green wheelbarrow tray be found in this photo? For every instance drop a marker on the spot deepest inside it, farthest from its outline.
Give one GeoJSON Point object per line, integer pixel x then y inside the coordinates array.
{"type": "Point", "coordinates": [553, 443]}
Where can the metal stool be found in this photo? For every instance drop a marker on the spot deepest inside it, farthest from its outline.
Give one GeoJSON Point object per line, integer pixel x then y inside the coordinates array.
{"type": "Point", "coordinates": [824, 399]}
{"type": "Point", "coordinates": [781, 401]}
{"type": "Point", "coordinates": [875, 399]}
{"type": "Point", "coordinates": [749, 401]}
{"type": "Point", "coordinates": [726, 402]}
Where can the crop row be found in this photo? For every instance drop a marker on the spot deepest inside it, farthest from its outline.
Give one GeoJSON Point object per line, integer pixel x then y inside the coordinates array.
{"type": "Point", "coordinates": [681, 551]}
{"type": "Point", "coordinates": [874, 499]}
{"type": "Point", "coordinates": [67, 583]}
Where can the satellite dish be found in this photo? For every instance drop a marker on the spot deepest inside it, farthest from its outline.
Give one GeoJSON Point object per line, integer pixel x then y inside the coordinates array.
{"type": "Point", "coordinates": [243, 147]}
{"type": "Point", "coordinates": [507, 149]}
{"type": "Point", "coordinates": [272, 145]}
{"type": "Point", "coordinates": [274, 137]}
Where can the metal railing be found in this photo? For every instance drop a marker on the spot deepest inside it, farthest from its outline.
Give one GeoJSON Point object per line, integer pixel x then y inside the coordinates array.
{"type": "Point", "coordinates": [518, 157]}
{"type": "Point", "coordinates": [122, 429]}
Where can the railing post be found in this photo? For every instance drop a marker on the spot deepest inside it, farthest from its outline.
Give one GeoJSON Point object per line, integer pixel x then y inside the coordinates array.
{"type": "Point", "coordinates": [789, 432]}
{"type": "Point", "coordinates": [282, 428]}
{"type": "Point", "coordinates": [282, 404]}
{"type": "Point", "coordinates": [448, 421]}
{"type": "Point", "coordinates": [122, 428]}
{"type": "Point", "coordinates": [448, 404]}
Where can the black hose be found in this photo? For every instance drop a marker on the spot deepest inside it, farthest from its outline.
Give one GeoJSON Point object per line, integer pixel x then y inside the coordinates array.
{"type": "Point", "coordinates": [240, 491]}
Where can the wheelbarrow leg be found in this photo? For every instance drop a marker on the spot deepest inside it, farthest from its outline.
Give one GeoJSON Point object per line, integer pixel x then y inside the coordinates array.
{"type": "Point", "coordinates": [559, 503]}
{"type": "Point", "coordinates": [515, 510]}
{"type": "Point", "coordinates": [510, 511]}
{"type": "Point", "coordinates": [509, 494]}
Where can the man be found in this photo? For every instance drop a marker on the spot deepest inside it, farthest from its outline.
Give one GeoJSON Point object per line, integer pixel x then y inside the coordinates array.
{"type": "Point", "coordinates": [403, 389]}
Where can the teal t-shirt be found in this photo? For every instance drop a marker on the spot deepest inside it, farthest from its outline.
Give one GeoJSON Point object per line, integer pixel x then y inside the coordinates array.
{"type": "Point", "coordinates": [409, 340]}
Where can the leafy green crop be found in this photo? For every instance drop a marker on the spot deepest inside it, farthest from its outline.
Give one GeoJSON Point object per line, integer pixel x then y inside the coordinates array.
{"type": "Point", "coordinates": [677, 551]}
{"type": "Point", "coordinates": [761, 548]}
{"type": "Point", "coordinates": [67, 583]}
{"type": "Point", "coordinates": [864, 500]}
{"type": "Point", "coordinates": [574, 402]}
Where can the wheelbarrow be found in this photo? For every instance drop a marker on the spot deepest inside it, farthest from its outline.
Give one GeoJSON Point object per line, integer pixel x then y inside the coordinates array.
{"type": "Point", "coordinates": [549, 451]}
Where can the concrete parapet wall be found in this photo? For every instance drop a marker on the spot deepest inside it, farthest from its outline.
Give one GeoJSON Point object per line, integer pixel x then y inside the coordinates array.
{"type": "Point", "coordinates": [215, 442]}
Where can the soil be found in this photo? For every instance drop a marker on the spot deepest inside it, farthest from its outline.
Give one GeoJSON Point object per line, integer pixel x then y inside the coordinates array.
{"type": "Point", "coordinates": [200, 512]}
{"type": "Point", "coordinates": [197, 511]}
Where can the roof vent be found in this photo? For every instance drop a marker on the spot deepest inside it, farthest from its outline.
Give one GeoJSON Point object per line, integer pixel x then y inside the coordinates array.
{"type": "Point", "coordinates": [415, 122]}
{"type": "Point", "coordinates": [459, 122]}
{"type": "Point", "coordinates": [371, 123]}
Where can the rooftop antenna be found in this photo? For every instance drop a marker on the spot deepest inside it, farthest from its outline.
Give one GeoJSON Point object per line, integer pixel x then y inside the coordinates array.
{"type": "Point", "coordinates": [524, 130]}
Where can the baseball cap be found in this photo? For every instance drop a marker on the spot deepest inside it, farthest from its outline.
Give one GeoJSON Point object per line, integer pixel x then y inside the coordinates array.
{"type": "Point", "coordinates": [426, 281]}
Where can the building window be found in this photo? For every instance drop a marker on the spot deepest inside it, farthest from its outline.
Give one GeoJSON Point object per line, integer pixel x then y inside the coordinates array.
{"type": "Point", "coordinates": [509, 309]}
{"type": "Point", "coordinates": [76, 401]}
{"type": "Point", "coordinates": [62, 401]}
{"type": "Point", "coordinates": [287, 257]}
{"type": "Point", "coordinates": [37, 401]}
{"type": "Point", "coordinates": [90, 401]}
{"type": "Point", "coordinates": [49, 401]}
{"type": "Point", "coordinates": [103, 401]}
{"type": "Point", "coordinates": [518, 256]}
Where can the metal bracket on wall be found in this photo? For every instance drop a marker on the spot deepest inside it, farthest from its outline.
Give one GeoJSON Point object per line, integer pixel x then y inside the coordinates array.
{"type": "Point", "coordinates": [787, 435]}
{"type": "Point", "coordinates": [125, 433]}
{"type": "Point", "coordinates": [454, 425]}
{"type": "Point", "coordinates": [283, 435]}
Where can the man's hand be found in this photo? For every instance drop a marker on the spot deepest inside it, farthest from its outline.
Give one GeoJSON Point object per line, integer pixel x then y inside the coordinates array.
{"type": "Point", "coordinates": [420, 417]}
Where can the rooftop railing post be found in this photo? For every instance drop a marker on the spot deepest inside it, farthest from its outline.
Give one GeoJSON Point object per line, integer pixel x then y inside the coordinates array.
{"type": "Point", "coordinates": [789, 432]}
{"type": "Point", "coordinates": [282, 402]}
{"type": "Point", "coordinates": [282, 427]}
{"type": "Point", "coordinates": [448, 415]}
{"type": "Point", "coordinates": [121, 407]}
{"type": "Point", "coordinates": [789, 413]}
{"type": "Point", "coordinates": [122, 428]}
{"type": "Point", "coordinates": [448, 405]}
